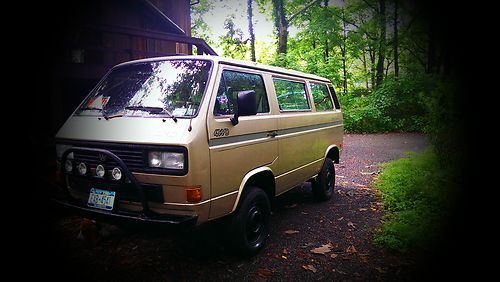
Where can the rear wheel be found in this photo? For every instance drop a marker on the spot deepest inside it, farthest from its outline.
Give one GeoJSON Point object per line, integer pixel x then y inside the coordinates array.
{"type": "Point", "coordinates": [325, 182]}
{"type": "Point", "coordinates": [250, 223]}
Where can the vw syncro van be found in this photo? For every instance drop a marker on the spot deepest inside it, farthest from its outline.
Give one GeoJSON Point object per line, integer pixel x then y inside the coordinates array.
{"type": "Point", "coordinates": [186, 140]}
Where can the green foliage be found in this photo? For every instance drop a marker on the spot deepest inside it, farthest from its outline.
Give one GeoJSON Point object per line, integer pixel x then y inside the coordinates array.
{"type": "Point", "coordinates": [397, 105]}
{"type": "Point", "coordinates": [341, 43]}
{"type": "Point", "coordinates": [444, 126]}
{"type": "Point", "coordinates": [416, 194]}
{"type": "Point", "coordinates": [232, 42]}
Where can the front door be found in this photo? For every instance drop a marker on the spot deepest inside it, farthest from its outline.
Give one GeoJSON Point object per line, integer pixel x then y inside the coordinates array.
{"type": "Point", "coordinates": [236, 150]}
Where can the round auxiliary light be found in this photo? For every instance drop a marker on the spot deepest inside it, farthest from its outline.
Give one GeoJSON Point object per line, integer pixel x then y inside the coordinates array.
{"type": "Point", "coordinates": [116, 173]}
{"type": "Point", "coordinates": [99, 171]}
{"type": "Point", "coordinates": [68, 166]}
{"type": "Point", "coordinates": [82, 168]}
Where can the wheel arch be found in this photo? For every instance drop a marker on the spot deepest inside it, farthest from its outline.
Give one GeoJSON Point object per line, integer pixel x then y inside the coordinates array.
{"type": "Point", "coordinates": [333, 153]}
{"type": "Point", "coordinates": [262, 177]}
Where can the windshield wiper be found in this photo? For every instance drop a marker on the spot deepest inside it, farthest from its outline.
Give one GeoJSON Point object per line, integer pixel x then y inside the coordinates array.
{"type": "Point", "coordinates": [91, 109]}
{"type": "Point", "coordinates": [151, 110]}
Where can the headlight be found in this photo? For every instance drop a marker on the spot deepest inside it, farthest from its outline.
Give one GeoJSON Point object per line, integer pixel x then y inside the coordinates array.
{"type": "Point", "coordinates": [60, 149]}
{"type": "Point", "coordinates": [167, 160]}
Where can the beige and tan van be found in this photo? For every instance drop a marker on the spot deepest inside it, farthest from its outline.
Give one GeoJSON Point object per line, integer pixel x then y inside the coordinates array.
{"type": "Point", "coordinates": [186, 140]}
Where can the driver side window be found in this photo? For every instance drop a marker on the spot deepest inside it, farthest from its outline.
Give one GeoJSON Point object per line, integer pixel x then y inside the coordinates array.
{"type": "Point", "coordinates": [233, 82]}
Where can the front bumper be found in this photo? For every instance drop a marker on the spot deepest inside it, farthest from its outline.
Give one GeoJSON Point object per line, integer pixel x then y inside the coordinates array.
{"type": "Point", "coordinates": [120, 216]}
{"type": "Point", "coordinates": [127, 218]}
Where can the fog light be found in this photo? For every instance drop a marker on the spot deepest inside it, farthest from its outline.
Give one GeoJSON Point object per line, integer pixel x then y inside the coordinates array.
{"type": "Point", "coordinates": [68, 166]}
{"type": "Point", "coordinates": [116, 173]}
{"type": "Point", "coordinates": [82, 168]}
{"type": "Point", "coordinates": [193, 194]}
{"type": "Point", "coordinates": [99, 171]}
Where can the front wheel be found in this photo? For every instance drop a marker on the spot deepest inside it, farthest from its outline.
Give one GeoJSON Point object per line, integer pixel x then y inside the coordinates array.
{"type": "Point", "coordinates": [250, 223]}
{"type": "Point", "coordinates": [324, 184]}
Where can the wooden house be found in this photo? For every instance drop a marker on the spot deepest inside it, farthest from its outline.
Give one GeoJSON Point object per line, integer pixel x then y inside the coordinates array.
{"type": "Point", "coordinates": [88, 37]}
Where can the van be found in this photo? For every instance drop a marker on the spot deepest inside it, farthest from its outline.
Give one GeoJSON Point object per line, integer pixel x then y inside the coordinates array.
{"type": "Point", "coordinates": [186, 140]}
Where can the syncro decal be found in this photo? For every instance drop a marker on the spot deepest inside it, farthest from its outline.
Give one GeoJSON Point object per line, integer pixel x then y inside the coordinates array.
{"type": "Point", "coordinates": [236, 139]}
{"type": "Point", "coordinates": [260, 135]}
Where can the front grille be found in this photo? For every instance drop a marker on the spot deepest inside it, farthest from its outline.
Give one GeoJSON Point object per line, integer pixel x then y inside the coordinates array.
{"type": "Point", "coordinates": [133, 156]}
{"type": "Point", "coordinates": [134, 159]}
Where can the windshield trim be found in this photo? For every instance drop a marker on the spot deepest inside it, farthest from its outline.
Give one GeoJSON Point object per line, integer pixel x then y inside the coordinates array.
{"type": "Point", "coordinates": [78, 110]}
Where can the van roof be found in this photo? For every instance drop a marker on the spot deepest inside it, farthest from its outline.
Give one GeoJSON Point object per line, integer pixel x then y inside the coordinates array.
{"type": "Point", "coordinates": [229, 61]}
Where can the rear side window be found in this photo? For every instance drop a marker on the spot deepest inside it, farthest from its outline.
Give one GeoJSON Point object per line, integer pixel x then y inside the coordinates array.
{"type": "Point", "coordinates": [321, 97]}
{"type": "Point", "coordinates": [291, 95]}
{"type": "Point", "coordinates": [334, 96]}
{"type": "Point", "coordinates": [233, 82]}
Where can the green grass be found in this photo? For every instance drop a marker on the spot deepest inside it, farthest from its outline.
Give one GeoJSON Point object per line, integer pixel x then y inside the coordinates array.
{"type": "Point", "coordinates": [416, 195]}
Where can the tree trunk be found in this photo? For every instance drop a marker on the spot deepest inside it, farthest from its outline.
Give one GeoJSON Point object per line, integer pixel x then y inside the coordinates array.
{"type": "Point", "coordinates": [251, 31]}
{"type": "Point", "coordinates": [381, 47]}
{"type": "Point", "coordinates": [281, 25]}
{"type": "Point", "coordinates": [365, 69]}
{"type": "Point", "coordinates": [396, 43]}
{"type": "Point", "coordinates": [281, 22]}
{"type": "Point", "coordinates": [371, 52]}
{"type": "Point", "coordinates": [327, 53]}
{"type": "Point", "coordinates": [431, 50]}
{"type": "Point", "coordinates": [344, 51]}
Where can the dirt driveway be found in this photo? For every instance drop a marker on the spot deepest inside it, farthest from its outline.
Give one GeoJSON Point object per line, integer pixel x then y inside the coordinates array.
{"type": "Point", "coordinates": [344, 226]}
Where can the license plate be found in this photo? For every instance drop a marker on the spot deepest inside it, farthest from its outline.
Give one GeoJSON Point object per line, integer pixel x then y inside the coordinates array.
{"type": "Point", "coordinates": [101, 199]}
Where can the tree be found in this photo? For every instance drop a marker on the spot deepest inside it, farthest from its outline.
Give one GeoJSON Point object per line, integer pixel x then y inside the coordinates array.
{"type": "Point", "coordinates": [250, 30]}
{"type": "Point", "coordinates": [282, 21]}
{"type": "Point", "coordinates": [199, 28]}
{"type": "Point", "coordinates": [396, 41]}
{"type": "Point", "coordinates": [382, 42]}
{"type": "Point", "coordinates": [232, 42]}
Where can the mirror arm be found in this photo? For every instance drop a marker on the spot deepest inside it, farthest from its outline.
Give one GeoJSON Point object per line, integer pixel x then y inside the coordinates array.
{"type": "Point", "coordinates": [234, 120]}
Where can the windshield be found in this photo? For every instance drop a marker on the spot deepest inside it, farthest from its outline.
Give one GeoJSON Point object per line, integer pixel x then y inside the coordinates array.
{"type": "Point", "coordinates": [171, 88]}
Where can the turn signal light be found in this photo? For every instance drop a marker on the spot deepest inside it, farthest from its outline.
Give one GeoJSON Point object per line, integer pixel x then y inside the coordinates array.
{"type": "Point", "coordinates": [193, 194]}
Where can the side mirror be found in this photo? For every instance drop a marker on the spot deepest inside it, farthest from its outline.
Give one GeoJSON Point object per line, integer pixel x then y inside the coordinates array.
{"type": "Point", "coordinates": [247, 105]}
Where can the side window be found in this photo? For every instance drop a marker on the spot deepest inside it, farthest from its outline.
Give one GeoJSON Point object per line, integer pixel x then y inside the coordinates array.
{"type": "Point", "coordinates": [233, 82]}
{"type": "Point", "coordinates": [291, 95]}
{"type": "Point", "coordinates": [321, 97]}
{"type": "Point", "coordinates": [334, 96]}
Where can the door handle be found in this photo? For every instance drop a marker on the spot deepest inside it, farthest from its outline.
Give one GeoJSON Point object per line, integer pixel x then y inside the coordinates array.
{"type": "Point", "coordinates": [272, 134]}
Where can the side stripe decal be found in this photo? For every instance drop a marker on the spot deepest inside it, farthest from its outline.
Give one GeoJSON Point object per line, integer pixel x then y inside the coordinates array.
{"type": "Point", "coordinates": [261, 135]}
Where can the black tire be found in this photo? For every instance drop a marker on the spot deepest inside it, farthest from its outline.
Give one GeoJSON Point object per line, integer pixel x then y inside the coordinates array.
{"type": "Point", "coordinates": [250, 223]}
{"type": "Point", "coordinates": [323, 186]}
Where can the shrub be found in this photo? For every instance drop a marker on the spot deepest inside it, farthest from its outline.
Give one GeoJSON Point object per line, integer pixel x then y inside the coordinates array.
{"type": "Point", "coordinates": [416, 196]}
{"type": "Point", "coordinates": [396, 105]}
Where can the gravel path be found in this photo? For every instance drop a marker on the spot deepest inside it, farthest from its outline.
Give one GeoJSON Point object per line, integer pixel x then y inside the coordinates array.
{"type": "Point", "coordinates": [342, 229]}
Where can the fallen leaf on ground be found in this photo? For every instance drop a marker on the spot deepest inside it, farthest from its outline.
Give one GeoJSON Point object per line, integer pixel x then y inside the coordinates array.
{"type": "Point", "coordinates": [334, 255]}
{"type": "Point", "coordinates": [380, 270]}
{"type": "Point", "coordinates": [323, 249]}
{"type": "Point", "coordinates": [263, 272]}
{"type": "Point", "coordinates": [370, 173]}
{"type": "Point", "coordinates": [363, 209]}
{"type": "Point", "coordinates": [306, 245]}
{"type": "Point", "coordinates": [310, 267]}
{"type": "Point", "coordinates": [351, 249]}
{"type": "Point", "coordinates": [289, 232]}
